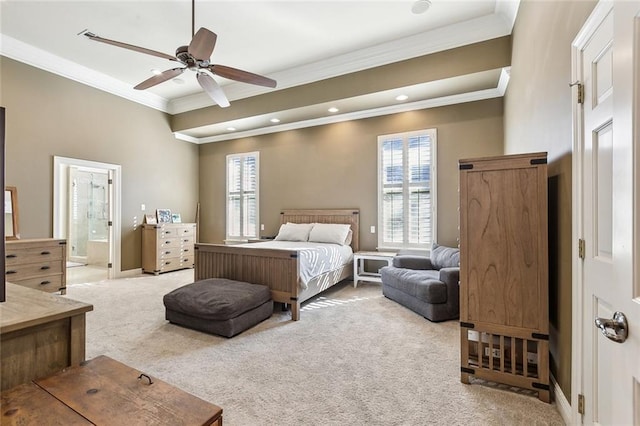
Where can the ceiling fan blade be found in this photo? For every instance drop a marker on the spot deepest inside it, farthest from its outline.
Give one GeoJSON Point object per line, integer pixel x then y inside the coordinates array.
{"type": "Point", "coordinates": [130, 46]}
{"type": "Point", "coordinates": [202, 44]}
{"type": "Point", "coordinates": [157, 79]}
{"type": "Point", "coordinates": [243, 76]}
{"type": "Point", "coordinates": [213, 89]}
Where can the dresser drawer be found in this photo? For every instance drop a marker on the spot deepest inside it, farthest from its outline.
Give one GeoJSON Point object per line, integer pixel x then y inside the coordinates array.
{"type": "Point", "coordinates": [169, 252]}
{"type": "Point", "coordinates": [20, 272]}
{"type": "Point", "coordinates": [187, 231]}
{"type": "Point", "coordinates": [32, 255]}
{"type": "Point", "coordinates": [48, 283]}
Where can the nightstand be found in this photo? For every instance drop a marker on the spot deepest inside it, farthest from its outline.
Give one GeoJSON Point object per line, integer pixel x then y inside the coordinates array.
{"type": "Point", "coordinates": [359, 273]}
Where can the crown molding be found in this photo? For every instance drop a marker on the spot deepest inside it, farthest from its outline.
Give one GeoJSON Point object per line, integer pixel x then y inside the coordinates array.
{"type": "Point", "coordinates": [30, 55]}
{"type": "Point", "coordinates": [457, 35]}
{"type": "Point", "coordinates": [478, 95]}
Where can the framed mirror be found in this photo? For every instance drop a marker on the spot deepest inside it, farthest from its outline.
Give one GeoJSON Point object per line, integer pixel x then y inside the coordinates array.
{"type": "Point", "coordinates": [11, 213]}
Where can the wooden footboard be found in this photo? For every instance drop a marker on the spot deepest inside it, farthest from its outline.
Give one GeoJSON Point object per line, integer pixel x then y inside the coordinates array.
{"type": "Point", "coordinates": [277, 269]}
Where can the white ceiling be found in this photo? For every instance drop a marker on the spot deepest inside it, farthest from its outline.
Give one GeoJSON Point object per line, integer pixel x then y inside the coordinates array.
{"type": "Point", "coordinates": [295, 42]}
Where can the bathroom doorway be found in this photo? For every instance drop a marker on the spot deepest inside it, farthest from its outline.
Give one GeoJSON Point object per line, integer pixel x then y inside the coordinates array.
{"type": "Point", "coordinates": [86, 213]}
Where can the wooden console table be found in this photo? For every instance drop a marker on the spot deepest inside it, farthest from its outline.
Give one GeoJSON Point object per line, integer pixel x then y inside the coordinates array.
{"type": "Point", "coordinates": [104, 391]}
{"type": "Point", "coordinates": [40, 333]}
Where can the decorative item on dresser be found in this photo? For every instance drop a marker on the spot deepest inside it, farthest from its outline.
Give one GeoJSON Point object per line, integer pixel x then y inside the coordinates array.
{"type": "Point", "coordinates": [504, 311]}
{"type": "Point", "coordinates": [37, 263]}
{"type": "Point", "coordinates": [167, 247]}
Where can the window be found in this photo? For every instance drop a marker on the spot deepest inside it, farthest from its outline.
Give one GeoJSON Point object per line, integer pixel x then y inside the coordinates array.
{"type": "Point", "coordinates": [242, 196]}
{"type": "Point", "coordinates": [406, 190]}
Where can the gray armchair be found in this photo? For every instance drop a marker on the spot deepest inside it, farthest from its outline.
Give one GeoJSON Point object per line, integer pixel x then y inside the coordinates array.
{"type": "Point", "coordinates": [428, 286]}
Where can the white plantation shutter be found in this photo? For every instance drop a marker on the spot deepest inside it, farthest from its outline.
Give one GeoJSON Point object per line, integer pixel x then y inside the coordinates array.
{"type": "Point", "coordinates": [406, 189]}
{"type": "Point", "coordinates": [242, 196]}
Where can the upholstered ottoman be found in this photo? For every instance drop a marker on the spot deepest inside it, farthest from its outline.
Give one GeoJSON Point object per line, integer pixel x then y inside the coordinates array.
{"type": "Point", "coordinates": [219, 306]}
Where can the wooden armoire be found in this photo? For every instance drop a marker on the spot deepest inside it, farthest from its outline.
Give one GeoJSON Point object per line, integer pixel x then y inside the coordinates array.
{"type": "Point", "coordinates": [504, 310]}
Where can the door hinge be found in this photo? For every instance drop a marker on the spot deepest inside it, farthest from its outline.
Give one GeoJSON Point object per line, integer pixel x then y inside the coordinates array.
{"type": "Point", "coordinates": [109, 223]}
{"type": "Point", "coordinates": [581, 249]}
{"type": "Point", "coordinates": [581, 404]}
{"type": "Point", "coordinates": [110, 181]}
{"type": "Point", "coordinates": [580, 91]}
{"type": "Point", "coordinates": [109, 265]}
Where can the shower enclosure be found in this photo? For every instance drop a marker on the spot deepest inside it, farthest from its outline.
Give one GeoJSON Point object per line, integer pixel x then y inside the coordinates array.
{"type": "Point", "coordinates": [88, 236]}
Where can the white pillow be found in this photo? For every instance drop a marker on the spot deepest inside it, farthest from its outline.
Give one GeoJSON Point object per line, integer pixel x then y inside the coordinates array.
{"type": "Point", "coordinates": [294, 232]}
{"type": "Point", "coordinates": [333, 233]}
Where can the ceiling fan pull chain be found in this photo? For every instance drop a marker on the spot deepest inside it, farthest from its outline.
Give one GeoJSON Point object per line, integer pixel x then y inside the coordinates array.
{"type": "Point", "coordinates": [193, 18]}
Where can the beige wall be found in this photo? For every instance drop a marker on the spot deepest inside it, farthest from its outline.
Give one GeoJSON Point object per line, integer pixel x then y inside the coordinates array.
{"type": "Point", "coordinates": [538, 118]}
{"type": "Point", "coordinates": [49, 116]}
{"type": "Point", "coordinates": [335, 166]}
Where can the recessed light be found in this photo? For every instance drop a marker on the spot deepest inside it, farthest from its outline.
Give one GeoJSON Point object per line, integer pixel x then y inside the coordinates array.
{"type": "Point", "coordinates": [402, 98]}
{"type": "Point", "coordinates": [178, 81]}
{"type": "Point", "coordinates": [420, 6]}
{"type": "Point", "coordinates": [231, 129]}
{"type": "Point", "coordinates": [156, 72]}
{"type": "Point", "coordinates": [333, 109]}
{"type": "Point", "coordinates": [274, 120]}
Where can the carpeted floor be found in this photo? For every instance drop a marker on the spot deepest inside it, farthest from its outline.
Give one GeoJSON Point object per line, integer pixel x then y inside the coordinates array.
{"type": "Point", "coordinates": [354, 358]}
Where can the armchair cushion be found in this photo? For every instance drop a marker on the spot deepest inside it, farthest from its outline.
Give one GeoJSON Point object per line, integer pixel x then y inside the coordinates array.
{"type": "Point", "coordinates": [445, 257]}
{"type": "Point", "coordinates": [412, 262]}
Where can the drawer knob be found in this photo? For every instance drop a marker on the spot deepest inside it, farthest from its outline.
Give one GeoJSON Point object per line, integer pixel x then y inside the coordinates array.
{"type": "Point", "coordinates": [11, 256]}
{"type": "Point", "coordinates": [45, 282]}
{"type": "Point", "coordinates": [45, 267]}
{"type": "Point", "coordinates": [11, 272]}
{"type": "Point", "coordinates": [45, 253]}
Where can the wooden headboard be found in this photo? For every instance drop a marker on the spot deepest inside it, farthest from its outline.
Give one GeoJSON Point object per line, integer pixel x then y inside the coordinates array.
{"type": "Point", "coordinates": [344, 216]}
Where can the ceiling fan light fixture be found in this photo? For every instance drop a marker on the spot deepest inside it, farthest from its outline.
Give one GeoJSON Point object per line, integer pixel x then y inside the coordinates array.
{"type": "Point", "coordinates": [155, 71]}
{"type": "Point", "coordinates": [420, 6]}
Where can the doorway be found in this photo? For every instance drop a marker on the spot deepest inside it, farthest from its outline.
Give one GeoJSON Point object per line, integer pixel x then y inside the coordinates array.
{"type": "Point", "coordinates": [86, 212]}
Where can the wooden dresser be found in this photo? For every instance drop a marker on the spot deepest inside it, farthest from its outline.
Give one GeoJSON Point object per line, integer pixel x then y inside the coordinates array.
{"type": "Point", "coordinates": [37, 263]}
{"type": "Point", "coordinates": [504, 308]}
{"type": "Point", "coordinates": [167, 247]}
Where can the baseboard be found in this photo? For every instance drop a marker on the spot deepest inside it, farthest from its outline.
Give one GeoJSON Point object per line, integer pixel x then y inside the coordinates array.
{"type": "Point", "coordinates": [129, 273]}
{"type": "Point", "coordinates": [562, 404]}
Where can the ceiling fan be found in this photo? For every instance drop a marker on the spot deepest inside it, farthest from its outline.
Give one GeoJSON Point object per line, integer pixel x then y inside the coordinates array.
{"type": "Point", "coordinates": [195, 57]}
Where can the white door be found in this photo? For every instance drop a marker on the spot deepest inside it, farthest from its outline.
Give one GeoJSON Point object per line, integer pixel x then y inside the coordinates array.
{"type": "Point", "coordinates": [608, 288]}
{"type": "Point", "coordinates": [108, 213]}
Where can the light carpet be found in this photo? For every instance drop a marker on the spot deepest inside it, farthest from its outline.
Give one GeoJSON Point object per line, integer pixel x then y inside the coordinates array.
{"type": "Point", "coordinates": [354, 358]}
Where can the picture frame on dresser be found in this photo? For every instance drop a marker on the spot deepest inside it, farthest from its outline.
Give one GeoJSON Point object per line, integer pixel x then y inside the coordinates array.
{"type": "Point", "coordinates": [150, 219]}
{"type": "Point", "coordinates": [11, 228]}
{"type": "Point", "coordinates": [163, 215]}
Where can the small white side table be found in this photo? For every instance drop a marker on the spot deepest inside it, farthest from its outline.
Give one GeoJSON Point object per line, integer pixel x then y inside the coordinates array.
{"type": "Point", "coordinates": [359, 274]}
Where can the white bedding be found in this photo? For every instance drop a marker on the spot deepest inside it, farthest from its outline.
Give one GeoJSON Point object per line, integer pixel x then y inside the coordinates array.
{"type": "Point", "coordinates": [315, 258]}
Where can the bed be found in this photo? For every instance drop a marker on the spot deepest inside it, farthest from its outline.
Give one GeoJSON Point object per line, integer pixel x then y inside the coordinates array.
{"type": "Point", "coordinates": [278, 268]}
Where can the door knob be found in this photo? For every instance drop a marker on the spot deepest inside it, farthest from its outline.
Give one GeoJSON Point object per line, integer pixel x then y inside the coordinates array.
{"type": "Point", "coordinates": [616, 328]}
